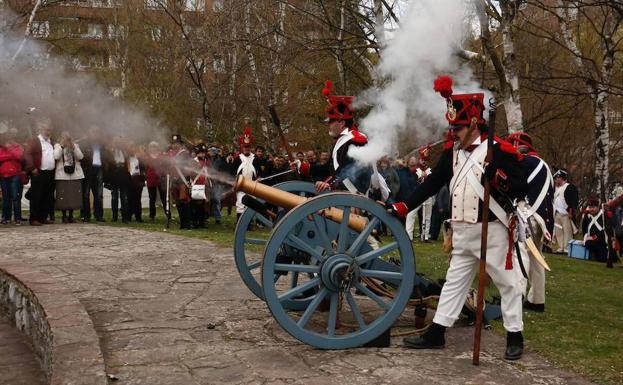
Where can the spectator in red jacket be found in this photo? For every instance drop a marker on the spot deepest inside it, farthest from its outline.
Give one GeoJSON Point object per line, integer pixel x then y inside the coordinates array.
{"type": "Point", "coordinates": [11, 156]}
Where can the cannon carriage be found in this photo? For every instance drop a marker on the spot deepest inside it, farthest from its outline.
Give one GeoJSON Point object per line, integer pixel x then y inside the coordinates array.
{"type": "Point", "coordinates": [323, 267]}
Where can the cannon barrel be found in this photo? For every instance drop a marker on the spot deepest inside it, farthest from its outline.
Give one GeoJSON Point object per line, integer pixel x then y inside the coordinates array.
{"type": "Point", "coordinates": [289, 201]}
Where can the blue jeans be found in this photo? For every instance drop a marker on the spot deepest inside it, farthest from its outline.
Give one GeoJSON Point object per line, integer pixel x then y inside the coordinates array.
{"type": "Point", "coordinates": [12, 197]}
{"type": "Point", "coordinates": [215, 201]}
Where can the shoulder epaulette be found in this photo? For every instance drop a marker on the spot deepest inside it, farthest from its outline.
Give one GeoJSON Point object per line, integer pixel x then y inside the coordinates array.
{"type": "Point", "coordinates": [359, 138]}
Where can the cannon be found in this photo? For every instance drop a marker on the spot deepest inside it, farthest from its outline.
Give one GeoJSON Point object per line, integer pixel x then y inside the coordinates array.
{"type": "Point", "coordinates": [321, 262]}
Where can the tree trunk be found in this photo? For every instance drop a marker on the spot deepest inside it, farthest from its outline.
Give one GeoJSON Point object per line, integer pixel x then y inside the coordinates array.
{"type": "Point", "coordinates": [512, 103]}
{"type": "Point", "coordinates": [340, 52]}
{"type": "Point", "coordinates": [598, 90]}
{"type": "Point", "coordinates": [250, 56]}
{"type": "Point", "coordinates": [379, 19]}
{"type": "Point", "coordinates": [33, 13]}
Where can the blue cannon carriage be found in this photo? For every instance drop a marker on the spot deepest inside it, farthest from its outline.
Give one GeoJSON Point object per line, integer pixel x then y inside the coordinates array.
{"type": "Point", "coordinates": [320, 261]}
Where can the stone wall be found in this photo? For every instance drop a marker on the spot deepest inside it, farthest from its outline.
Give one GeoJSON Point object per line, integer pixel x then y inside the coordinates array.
{"type": "Point", "coordinates": [55, 322]}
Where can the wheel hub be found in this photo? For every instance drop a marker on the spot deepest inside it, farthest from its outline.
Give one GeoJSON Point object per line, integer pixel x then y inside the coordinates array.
{"type": "Point", "coordinates": [338, 271]}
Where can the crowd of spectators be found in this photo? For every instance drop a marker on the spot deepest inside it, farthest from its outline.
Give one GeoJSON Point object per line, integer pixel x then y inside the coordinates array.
{"type": "Point", "coordinates": [68, 176]}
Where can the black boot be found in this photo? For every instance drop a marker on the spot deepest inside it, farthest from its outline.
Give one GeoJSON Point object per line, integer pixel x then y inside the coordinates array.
{"type": "Point", "coordinates": [514, 345]}
{"type": "Point", "coordinates": [434, 338]}
{"type": "Point", "coordinates": [536, 307]}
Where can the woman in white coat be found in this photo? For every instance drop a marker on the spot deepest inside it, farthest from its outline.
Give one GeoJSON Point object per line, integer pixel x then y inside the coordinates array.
{"type": "Point", "coordinates": [68, 176]}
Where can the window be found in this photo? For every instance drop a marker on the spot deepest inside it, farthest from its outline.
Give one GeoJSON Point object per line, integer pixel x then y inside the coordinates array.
{"type": "Point", "coordinates": [116, 91]}
{"type": "Point", "coordinates": [194, 5]}
{"type": "Point", "coordinates": [219, 65]}
{"type": "Point", "coordinates": [156, 33]}
{"type": "Point", "coordinates": [616, 117]}
{"type": "Point", "coordinates": [151, 4]}
{"type": "Point", "coordinates": [116, 31]}
{"type": "Point", "coordinates": [40, 29]}
{"type": "Point", "coordinates": [95, 31]}
{"type": "Point", "coordinates": [218, 5]}
{"type": "Point", "coordinates": [194, 94]}
{"type": "Point", "coordinates": [156, 63]}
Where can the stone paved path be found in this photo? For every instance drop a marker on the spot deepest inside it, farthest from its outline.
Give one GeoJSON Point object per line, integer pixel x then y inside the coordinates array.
{"type": "Point", "coordinates": [151, 297]}
{"type": "Point", "coordinates": [18, 364]}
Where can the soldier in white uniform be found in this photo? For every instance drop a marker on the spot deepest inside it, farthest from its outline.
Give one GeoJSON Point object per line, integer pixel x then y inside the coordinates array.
{"type": "Point", "coordinates": [565, 205]}
{"type": "Point", "coordinates": [464, 168]}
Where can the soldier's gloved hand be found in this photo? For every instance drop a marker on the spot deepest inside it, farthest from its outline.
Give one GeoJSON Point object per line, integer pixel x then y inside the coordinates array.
{"type": "Point", "coordinates": [399, 209]}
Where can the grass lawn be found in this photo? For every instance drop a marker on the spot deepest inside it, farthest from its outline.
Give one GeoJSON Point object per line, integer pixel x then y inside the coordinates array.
{"type": "Point", "coordinates": [581, 330]}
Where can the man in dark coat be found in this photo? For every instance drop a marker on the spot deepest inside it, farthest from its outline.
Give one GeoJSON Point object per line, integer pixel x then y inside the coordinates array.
{"type": "Point", "coordinates": [93, 182]}
{"type": "Point", "coordinates": [40, 165]}
{"type": "Point", "coordinates": [344, 172]}
{"type": "Point", "coordinates": [537, 210]}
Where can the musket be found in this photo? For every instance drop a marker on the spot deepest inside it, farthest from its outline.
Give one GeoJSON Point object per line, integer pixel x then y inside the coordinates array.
{"type": "Point", "coordinates": [482, 272]}
{"type": "Point", "coordinates": [431, 145]}
{"type": "Point", "coordinates": [167, 208]}
{"type": "Point", "coordinates": [275, 118]}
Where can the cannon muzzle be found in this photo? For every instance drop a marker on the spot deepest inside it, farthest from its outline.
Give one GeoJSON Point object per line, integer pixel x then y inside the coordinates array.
{"type": "Point", "coordinates": [288, 201]}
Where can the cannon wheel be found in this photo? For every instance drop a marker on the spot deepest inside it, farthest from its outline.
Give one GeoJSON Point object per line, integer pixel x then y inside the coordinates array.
{"type": "Point", "coordinates": [243, 238]}
{"type": "Point", "coordinates": [341, 258]}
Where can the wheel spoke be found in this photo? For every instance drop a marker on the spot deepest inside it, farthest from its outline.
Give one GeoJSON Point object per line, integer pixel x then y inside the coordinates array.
{"type": "Point", "coordinates": [355, 309]}
{"type": "Point", "coordinates": [299, 289]}
{"type": "Point", "coordinates": [298, 243]}
{"type": "Point", "coordinates": [311, 308]}
{"type": "Point", "coordinates": [255, 241]}
{"type": "Point", "coordinates": [372, 296]}
{"type": "Point", "coordinates": [333, 314]}
{"type": "Point", "coordinates": [264, 221]}
{"type": "Point", "coordinates": [363, 237]}
{"type": "Point", "coordinates": [343, 234]}
{"type": "Point", "coordinates": [324, 238]}
{"type": "Point", "coordinates": [254, 265]}
{"type": "Point", "coordinates": [382, 275]}
{"type": "Point", "coordinates": [367, 257]}
{"type": "Point", "coordinates": [294, 280]}
{"type": "Point", "coordinates": [296, 268]}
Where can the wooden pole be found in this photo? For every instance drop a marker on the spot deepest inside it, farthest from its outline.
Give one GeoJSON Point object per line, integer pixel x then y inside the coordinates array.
{"type": "Point", "coordinates": [482, 273]}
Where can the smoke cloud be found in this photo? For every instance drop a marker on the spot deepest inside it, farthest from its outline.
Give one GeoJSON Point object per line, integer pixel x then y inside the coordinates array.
{"type": "Point", "coordinates": [421, 49]}
{"type": "Point", "coordinates": [37, 84]}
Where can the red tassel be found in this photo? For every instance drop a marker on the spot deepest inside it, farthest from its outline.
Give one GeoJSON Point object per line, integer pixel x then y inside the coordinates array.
{"type": "Point", "coordinates": [511, 242]}
{"type": "Point", "coordinates": [443, 85]}
{"type": "Point", "coordinates": [326, 91]}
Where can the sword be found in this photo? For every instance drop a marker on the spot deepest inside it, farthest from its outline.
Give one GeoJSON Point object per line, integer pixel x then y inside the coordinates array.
{"type": "Point", "coordinates": [275, 175]}
{"type": "Point", "coordinates": [534, 251]}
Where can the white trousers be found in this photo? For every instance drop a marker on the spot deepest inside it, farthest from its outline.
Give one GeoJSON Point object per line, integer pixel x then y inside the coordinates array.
{"type": "Point", "coordinates": [536, 272]}
{"type": "Point", "coordinates": [239, 206]}
{"type": "Point", "coordinates": [563, 231]}
{"type": "Point", "coordinates": [427, 212]}
{"type": "Point", "coordinates": [463, 268]}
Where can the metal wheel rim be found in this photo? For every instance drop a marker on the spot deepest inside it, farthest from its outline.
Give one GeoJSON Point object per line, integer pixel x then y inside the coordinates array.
{"type": "Point", "coordinates": [245, 267]}
{"type": "Point", "coordinates": [371, 330]}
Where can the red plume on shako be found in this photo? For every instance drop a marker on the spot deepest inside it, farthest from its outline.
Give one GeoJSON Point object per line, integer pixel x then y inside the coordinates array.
{"type": "Point", "coordinates": [246, 139]}
{"type": "Point", "coordinates": [461, 107]}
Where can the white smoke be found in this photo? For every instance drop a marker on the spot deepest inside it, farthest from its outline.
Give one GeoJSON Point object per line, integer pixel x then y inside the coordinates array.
{"type": "Point", "coordinates": [37, 84]}
{"type": "Point", "coordinates": [421, 49]}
